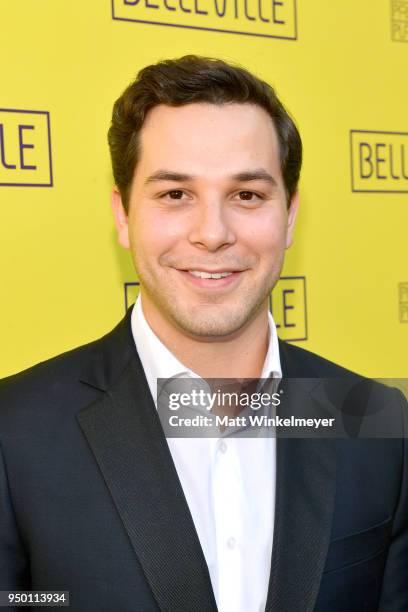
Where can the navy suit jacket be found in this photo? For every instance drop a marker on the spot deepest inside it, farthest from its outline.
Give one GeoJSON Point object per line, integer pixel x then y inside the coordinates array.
{"type": "Point", "coordinates": [90, 500]}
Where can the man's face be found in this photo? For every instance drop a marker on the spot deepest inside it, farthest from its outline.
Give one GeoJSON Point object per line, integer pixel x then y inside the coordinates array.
{"type": "Point", "coordinates": [208, 222]}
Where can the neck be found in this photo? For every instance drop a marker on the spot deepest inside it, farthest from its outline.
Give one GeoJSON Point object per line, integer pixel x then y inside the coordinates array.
{"type": "Point", "coordinates": [240, 355]}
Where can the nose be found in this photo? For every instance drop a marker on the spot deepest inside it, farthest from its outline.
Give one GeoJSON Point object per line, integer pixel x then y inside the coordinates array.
{"type": "Point", "coordinates": [212, 228]}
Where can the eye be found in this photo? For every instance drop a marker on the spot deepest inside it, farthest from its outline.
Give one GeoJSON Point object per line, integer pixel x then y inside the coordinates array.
{"type": "Point", "coordinates": [174, 194]}
{"type": "Point", "coordinates": [246, 195]}
{"type": "Point", "coordinates": [249, 196]}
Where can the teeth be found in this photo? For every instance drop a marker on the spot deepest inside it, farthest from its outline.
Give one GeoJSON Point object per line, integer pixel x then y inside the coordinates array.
{"type": "Point", "coordinates": [199, 274]}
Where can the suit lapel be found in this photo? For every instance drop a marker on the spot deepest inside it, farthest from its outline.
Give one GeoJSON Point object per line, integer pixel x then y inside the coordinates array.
{"type": "Point", "coordinates": [305, 492]}
{"type": "Point", "coordinates": [126, 438]}
{"type": "Point", "coordinates": [305, 488]}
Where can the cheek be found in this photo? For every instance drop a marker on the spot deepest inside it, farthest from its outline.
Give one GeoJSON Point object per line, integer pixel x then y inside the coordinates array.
{"type": "Point", "coordinates": [152, 235]}
{"type": "Point", "coordinates": [266, 240]}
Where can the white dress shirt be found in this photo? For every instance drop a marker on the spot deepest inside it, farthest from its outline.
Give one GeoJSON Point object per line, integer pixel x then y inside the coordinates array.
{"type": "Point", "coordinates": [228, 482]}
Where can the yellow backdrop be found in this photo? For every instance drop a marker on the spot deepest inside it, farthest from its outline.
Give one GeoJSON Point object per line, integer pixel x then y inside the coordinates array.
{"type": "Point", "coordinates": [341, 69]}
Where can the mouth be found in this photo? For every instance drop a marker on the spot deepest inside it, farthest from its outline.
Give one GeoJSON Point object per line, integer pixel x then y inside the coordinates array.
{"type": "Point", "coordinates": [211, 279]}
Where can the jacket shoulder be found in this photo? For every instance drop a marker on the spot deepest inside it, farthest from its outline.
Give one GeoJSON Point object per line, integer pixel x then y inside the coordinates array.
{"type": "Point", "coordinates": [66, 364]}
{"type": "Point", "coordinates": [68, 367]}
{"type": "Point", "coordinates": [46, 391]}
{"type": "Point", "coordinates": [302, 363]}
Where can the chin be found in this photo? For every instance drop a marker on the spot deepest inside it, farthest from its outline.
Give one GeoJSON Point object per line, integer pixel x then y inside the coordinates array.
{"type": "Point", "coordinates": [211, 325]}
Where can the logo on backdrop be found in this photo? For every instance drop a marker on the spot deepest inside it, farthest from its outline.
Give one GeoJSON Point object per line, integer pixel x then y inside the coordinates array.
{"type": "Point", "coordinates": [379, 161]}
{"type": "Point", "coordinates": [287, 304]}
{"type": "Point", "coordinates": [267, 18]}
{"type": "Point", "coordinates": [25, 148]}
{"type": "Point", "coordinates": [399, 20]}
{"type": "Point", "coordinates": [403, 302]}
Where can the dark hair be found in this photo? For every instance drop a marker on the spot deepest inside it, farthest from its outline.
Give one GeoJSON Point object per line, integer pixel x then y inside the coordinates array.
{"type": "Point", "coordinates": [195, 79]}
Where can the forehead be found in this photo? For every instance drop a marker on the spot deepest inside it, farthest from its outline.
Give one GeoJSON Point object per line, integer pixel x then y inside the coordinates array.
{"type": "Point", "coordinates": [208, 137]}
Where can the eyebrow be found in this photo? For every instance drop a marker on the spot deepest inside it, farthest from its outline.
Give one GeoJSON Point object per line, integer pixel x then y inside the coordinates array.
{"type": "Point", "coordinates": [168, 175]}
{"type": "Point", "coordinates": [258, 174]}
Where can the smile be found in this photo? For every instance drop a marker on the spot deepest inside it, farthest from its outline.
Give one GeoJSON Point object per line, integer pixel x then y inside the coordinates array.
{"type": "Point", "coordinates": [216, 280]}
{"type": "Point", "coordinates": [200, 274]}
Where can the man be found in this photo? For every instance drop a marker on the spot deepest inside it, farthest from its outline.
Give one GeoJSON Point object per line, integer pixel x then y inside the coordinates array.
{"type": "Point", "coordinates": [94, 499]}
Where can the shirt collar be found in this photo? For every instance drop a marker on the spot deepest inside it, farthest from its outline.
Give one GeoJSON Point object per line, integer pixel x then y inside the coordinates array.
{"type": "Point", "coordinates": [159, 362]}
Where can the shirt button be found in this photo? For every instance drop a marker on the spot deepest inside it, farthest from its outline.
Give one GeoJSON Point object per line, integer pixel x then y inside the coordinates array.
{"type": "Point", "coordinates": [231, 543]}
{"type": "Point", "coordinates": [223, 447]}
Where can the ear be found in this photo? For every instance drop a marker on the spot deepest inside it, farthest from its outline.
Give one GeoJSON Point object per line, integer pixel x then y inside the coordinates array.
{"type": "Point", "coordinates": [121, 218]}
{"type": "Point", "coordinates": [292, 214]}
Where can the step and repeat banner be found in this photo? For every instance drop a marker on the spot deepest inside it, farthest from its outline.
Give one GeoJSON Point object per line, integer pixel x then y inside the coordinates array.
{"type": "Point", "coordinates": [341, 70]}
